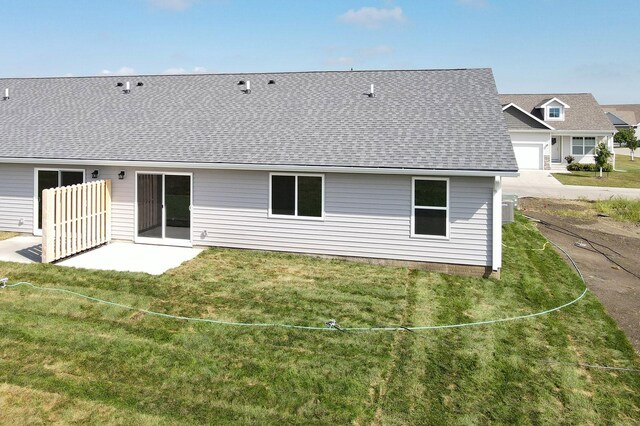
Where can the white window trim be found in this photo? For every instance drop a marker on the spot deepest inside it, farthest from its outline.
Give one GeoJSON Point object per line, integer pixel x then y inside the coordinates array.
{"type": "Point", "coordinates": [413, 209]}
{"type": "Point", "coordinates": [295, 216]}
{"type": "Point", "coordinates": [582, 139]}
{"type": "Point", "coordinates": [38, 231]}
{"type": "Point", "coordinates": [547, 113]}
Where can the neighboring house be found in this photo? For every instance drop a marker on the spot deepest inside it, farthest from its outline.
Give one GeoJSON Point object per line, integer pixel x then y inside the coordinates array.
{"type": "Point", "coordinates": [308, 162]}
{"type": "Point", "coordinates": [624, 116]}
{"type": "Point", "coordinates": [546, 128]}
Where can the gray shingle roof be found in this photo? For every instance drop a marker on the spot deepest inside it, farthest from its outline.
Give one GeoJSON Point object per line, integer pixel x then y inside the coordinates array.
{"type": "Point", "coordinates": [429, 119]}
{"type": "Point", "coordinates": [617, 121]}
{"type": "Point", "coordinates": [518, 120]}
{"type": "Point", "coordinates": [584, 113]}
{"type": "Point", "coordinates": [630, 113]}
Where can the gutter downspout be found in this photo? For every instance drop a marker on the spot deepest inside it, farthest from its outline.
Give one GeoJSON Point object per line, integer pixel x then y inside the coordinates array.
{"type": "Point", "coordinates": [496, 258]}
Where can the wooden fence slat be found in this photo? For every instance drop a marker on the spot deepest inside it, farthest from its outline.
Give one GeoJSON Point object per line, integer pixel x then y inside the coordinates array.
{"type": "Point", "coordinates": [48, 223]}
{"type": "Point", "coordinates": [75, 218]}
{"type": "Point", "coordinates": [72, 220]}
{"type": "Point", "coordinates": [107, 208]}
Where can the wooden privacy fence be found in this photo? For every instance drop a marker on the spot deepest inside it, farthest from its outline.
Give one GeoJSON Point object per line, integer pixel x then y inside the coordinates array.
{"type": "Point", "coordinates": [75, 218]}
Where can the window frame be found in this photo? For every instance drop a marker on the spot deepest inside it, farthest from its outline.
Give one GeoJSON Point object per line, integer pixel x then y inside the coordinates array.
{"type": "Point", "coordinates": [414, 207]}
{"type": "Point", "coordinates": [295, 216]}
{"type": "Point", "coordinates": [582, 144]}
{"type": "Point", "coordinates": [36, 208]}
{"type": "Point", "coordinates": [560, 116]}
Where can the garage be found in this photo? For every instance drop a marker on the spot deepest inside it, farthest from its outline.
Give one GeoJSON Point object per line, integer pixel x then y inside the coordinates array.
{"type": "Point", "coordinates": [529, 155]}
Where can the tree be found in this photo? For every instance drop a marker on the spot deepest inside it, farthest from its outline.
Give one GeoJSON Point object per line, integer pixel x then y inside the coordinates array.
{"type": "Point", "coordinates": [623, 136]}
{"type": "Point", "coordinates": [633, 145]}
{"type": "Point", "coordinates": [602, 156]}
{"type": "Point", "coordinates": [627, 137]}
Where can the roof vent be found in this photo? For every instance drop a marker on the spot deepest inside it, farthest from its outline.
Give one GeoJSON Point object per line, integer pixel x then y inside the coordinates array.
{"type": "Point", "coordinates": [140, 84]}
{"type": "Point", "coordinates": [271, 82]}
{"type": "Point", "coordinates": [6, 94]}
{"type": "Point", "coordinates": [248, 88]}
{"type": "Point", "coordinates": [241, 82]}
{"type": "Point", "coordinates": [371, 93]}
{"type": "Point", "coordinates": [119, 84]}
{"type": "Point", "coordinates": [127, 87]}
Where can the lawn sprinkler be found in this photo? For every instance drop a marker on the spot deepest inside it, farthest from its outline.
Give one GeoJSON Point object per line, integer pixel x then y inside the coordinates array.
{"type": "Point", "coordinates": [3, 282]}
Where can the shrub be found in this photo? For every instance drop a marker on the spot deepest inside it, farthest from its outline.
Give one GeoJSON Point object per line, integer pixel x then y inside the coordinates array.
{"type": "Point", "coordinates": [582, 167]}
{"type": "Point", "coordinates": [569, 159]}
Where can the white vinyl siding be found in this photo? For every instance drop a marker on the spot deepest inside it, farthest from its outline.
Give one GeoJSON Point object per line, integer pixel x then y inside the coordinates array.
{"type": "Point", "coordinates": [364, 215]}
{"type": "Point", "coordinates": [16, 198]}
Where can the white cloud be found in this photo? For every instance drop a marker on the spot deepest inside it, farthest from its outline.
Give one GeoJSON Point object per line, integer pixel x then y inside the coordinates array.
{"type": "Point", "coordinates": [175, 70]}
{"type": "Point", "coordinates": [121, 71]}
{"type": "Point", "coordinates": [373, 17]}
{"type": "Point", "coordinates": [381, 49]}
{"type": "Point", "coordinates": [180, 70]}
{"type": "Point", "coordinates": [476, 4]}
{"type": "Point", "coordinates": [340, 60]}
{"type": "Point", "coordinates": [171, 4]}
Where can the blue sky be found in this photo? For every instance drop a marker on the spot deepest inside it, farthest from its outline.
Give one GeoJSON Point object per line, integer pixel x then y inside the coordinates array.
{"type": "Point", "coordinates": [532, 45]}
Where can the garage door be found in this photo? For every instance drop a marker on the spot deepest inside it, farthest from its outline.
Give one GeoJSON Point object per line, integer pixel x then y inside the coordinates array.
{"type": "Point", "coordinates": [529, 156]}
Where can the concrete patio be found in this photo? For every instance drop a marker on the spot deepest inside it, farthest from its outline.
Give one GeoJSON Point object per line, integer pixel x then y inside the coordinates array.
{"type": "Point", "coordinates": [115, 256]}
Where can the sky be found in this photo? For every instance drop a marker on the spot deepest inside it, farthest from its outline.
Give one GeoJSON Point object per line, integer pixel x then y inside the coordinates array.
{"type": "Point", "coordinates": [533, 46]}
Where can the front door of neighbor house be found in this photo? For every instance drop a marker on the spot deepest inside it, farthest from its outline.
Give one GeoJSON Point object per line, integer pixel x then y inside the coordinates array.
{"type": "Point", "coordinates": [555, 150]}
{"type": "Point", "coordinates": [163, 208]}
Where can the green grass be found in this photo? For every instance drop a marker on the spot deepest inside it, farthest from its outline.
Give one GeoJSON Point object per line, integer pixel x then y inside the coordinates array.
{"type": "Point", "coordinates": [622, 209]}
{"type": "Point", "coordinates": [6, 235]}
{"type": "Point", "coordinates": [618, 208]}
{"type": "Point", "coordinates": [629, 178]}
{"type": "Point", "coordinates": [67, 360]}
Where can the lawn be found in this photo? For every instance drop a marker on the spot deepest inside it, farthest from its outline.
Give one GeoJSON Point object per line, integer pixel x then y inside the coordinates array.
{"type": "Point", "coordinates": [618, 208]}
{"type": "Point", "coordinates": [628, 178]}
{"type": "Point", "coordinates": [67, 360]}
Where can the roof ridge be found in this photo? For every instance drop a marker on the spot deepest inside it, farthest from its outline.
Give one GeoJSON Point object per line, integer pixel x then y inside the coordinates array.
{"type": "Point", "coordinates": [547, 94]}
{"type": "Point", "coordinates": [246, 73]}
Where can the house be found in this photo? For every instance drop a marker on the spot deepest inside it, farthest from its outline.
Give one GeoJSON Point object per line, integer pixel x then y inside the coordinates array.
{"type": "Point", "coordinates": [546, 128]}
{"type": "Point", "coordinates": [388, 165]}
{"type": "Point", "coordinates": [624, 116]}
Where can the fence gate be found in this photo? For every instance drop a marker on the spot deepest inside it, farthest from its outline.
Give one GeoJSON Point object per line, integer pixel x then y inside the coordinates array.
{"type": "Point", "coordinates": [75, 218]}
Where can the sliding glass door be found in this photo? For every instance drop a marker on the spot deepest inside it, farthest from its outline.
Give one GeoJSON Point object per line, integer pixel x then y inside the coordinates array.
{"type": "Point", "coordinates": [50, 178]}
{"type": "Point", "coordinates": [163, 208]}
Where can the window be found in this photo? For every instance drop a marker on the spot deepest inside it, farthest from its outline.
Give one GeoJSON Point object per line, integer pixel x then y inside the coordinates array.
{"type": "Point", "coordinates": [297, 195]}
{"type": "Point", "coordinates": [583, 145]}
{"type": "Point", "coordinates": [430, 207]}
{"type": "Point", "coordinates": [554, 112]}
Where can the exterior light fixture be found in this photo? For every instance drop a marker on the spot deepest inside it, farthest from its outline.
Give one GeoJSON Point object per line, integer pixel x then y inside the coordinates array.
{"type": "Point", "coordinates": [94, 174]}
{"type": "Point", "coordinates": [121, 175]}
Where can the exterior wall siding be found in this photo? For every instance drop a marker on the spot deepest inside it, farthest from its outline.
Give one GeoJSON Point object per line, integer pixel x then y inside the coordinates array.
{"type": "Point", "coordinates": [365, 215]}
{"type": "Point", "coordinates": [16, 198]}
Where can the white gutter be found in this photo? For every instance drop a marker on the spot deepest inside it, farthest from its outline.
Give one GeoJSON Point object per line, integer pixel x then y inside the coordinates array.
{"type": "Point", "coordinates": [581, 132]}
{"type": "Point", "coordinates": [265, 167]}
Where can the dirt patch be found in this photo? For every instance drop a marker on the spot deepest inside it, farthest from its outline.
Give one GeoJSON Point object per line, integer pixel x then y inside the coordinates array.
{"type": "Point", "coordinates": [607, 252]}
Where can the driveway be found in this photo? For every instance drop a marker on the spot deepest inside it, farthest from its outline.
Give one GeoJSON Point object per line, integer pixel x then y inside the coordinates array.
{"type": "Point", "coordinates": [541, 184]}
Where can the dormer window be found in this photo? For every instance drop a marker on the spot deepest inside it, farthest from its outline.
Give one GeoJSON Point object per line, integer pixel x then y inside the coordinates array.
{"type": "Point", "coordinates": [553, 109]}
{"type": "Point", "coordinates": [554, 112]}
